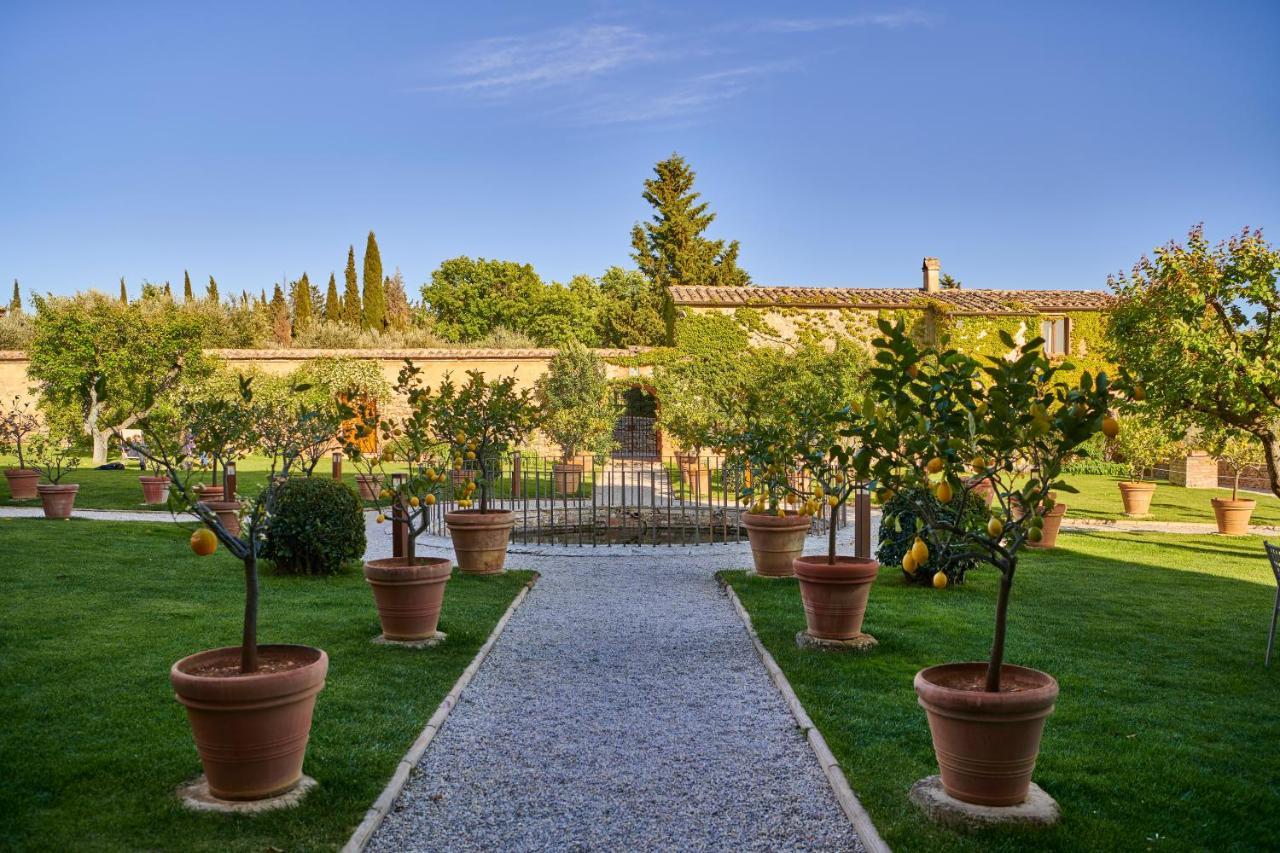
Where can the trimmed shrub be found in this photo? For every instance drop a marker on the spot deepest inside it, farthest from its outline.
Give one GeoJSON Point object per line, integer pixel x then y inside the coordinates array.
{"type": "Point", "coordinates": [899, 527]}
{"type": "Point", "coordinates": [317, 526]}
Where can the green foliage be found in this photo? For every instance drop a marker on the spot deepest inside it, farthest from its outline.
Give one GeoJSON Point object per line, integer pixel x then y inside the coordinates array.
{"type": "Point", "coordinates": [901, 523]}
{"type": "Point", "coordinates": [1237, 449]}
{"type": "Point", "coordinates": [17, 422]}
{"type": "Point", "coordinates": [352, 309]}
{"type": "Point", "coordinates": [399, 315]}
{"type": "Point", "coordinates": [563, 313]}
{"type": "Point", "coordinates": [332, 305]}
{"type": "Point", "coordinates": [375, 300]}
{"type": "Point", "coordinates": [15, 301]}
{"type": "Point", "coordinates": [578, 414]}
{"type": "Point", "coordinates": [1146, 439]}
{"type": "Point", "coordinates": [1194, 324]}
{"type": "Point", "coordinates": [16, 331]}
{"type": "Point", "coordinates": [302, 308]}
{"type": "Point", "coordinates": [211, 293]}
{"type": "Point", "coordinates": [187, 294]}
{"type": "Point", "coordinates": [317, 526]}
{"type": "Point", "coordinates": [631, 310]}
{"type": "Point", "coordinates": [281, 324]}
{"type": "Point", "coordinates": [53, 455]}
{"type": "Point", "coordinates": [670, 249]}
{"type": "Point", "coordinates": [469, 298]}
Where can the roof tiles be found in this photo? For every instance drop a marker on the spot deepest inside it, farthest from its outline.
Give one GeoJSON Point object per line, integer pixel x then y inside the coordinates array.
{"type": "Point", "coordinates": [961, 300]}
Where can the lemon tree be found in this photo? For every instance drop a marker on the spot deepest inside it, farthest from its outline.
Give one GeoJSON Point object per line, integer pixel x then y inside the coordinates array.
{"type": "Point", "coordinates": [769, 466]}
{"type": "Point", "coordinates": [821, 444]}
{"type": "Point", "coordinates": [943, 421]}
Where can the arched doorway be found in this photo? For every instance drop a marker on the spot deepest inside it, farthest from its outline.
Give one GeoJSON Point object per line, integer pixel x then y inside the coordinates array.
{"type": "Point", "coordinates": [636, 430]}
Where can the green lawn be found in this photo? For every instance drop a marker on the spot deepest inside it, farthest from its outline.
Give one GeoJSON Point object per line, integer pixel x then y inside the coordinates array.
{"type": "Point", "coordinates": [93, 745]}
{"type": "Point", "coordinates": [1167, 730]}
{"type": "Point", "coordinates": [1100, 498]}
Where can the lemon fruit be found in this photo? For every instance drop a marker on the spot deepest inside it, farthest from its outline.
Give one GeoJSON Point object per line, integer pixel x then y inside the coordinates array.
{"type": "Point", "coordinates": [1110, 427]}
{"type": "Point", "coordinates": [909, 563]}
{"type": "Point", "coordinates": [920, 551]}
{"type": "Point", "coordinates": [995, 528]}
{"type": "Point", "coordinates": [934, 465]}
{"type": "Point", "coordinates": [204, 542]}
{"type": "Point", "coordinates": [940, 580]}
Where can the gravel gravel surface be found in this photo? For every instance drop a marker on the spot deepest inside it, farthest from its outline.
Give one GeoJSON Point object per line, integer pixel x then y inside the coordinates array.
{"type": "Point", "coordinates": [623, 708]}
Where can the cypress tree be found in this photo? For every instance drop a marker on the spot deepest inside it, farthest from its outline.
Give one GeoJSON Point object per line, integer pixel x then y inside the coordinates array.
{"type": "Point", "coordinates": [332, 307]}
{"type": "Point", "coordinates": [375, 299]}
{"type": "Point", "coordinates": [280, 326]}
{"type": "Point", "coordinates": [168, 291]}
{"type": "Point", "coordinates": [302, 302]}
{"type": "Point", "coordinates": [671, 249]}
{"type": "Point", "coordinates": [15, 304]}
{"type": "Point", "coordinates": [187, 295]}
{"type": "Point", "coordinates": [212, 293]}
{"type": "Point", "coordinates": [351, 309]}
{"type": "Point", "coordinates": [124, 294]}
{"type": "Point", "coordinates": [399, 315]}
{"type": "Point", "coordinates": [262, 297]}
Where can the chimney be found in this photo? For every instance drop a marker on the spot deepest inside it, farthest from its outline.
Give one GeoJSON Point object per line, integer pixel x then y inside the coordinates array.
{"type": "Point", "coordinates": [930, 269]}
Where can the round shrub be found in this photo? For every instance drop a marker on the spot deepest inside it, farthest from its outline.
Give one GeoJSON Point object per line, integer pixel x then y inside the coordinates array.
{"type": "Point", "coordinates": [316, 526]}
{"type": "Point", "coordinates": [898, 529]}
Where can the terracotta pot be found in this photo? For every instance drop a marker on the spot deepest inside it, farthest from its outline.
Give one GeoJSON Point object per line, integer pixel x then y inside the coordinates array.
{"type": "Point", "coordinates": [208, 491]}
{"type": "Point", "coordinates": [57, 500]}
{"type": "Point", "coordinates": [986, 491]}
{"type": "Point", "coordinates": [1137, 497]}
{"type": "Point", "coordinates": [155, 490]}
{"type": "Point", "coordinates": [1049, 533]}
{"type": "Point", "coordinates": [22, 483]}
{"type": "Point", "coordinates": [695, 475]}
{"type": "Point", "coordinates": [986, 743]}
{"type": "Point", "coordinates": [834, 595]}
{"type": "Point", "coordinates": [1233, 516]}
{"type": "Point", "coordinates": [775, 542]}
{"type": "Point", "coordinates": [480, 539]}
{"type": "Point", "coordinates": [408, 597]}
{"type": "Point", "coordinates": [251, 730]}
{"type": "Point", "coordinates": [369, 486]}
{"type": "Point", "coordinates": [567, 478]}
{"type": "Point", "coordinates": [228, 513]}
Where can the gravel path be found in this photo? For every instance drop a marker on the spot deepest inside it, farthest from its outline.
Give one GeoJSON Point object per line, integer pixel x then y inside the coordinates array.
{"type": "Point", "coordinates": [623, 708]}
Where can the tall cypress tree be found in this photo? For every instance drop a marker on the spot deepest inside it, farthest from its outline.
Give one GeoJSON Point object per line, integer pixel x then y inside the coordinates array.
{"type": "Point", "coordinates": [332, 307]}
{"type": "Point", "coordinates": [351, 308]}
{"type": "Point", "coordinates": [671, 249]}
{"type": "Point", "coordinates": [302, 303]}
{"type": "Point", "coordinates": [124, 294]}
{"type": "Point", "coordinates": [281, 329]}
{"type": "Point", "coordinates": [15, 304]}
{"type": "Point", "coordinates": [375, 298]}
{"type": "Point", "coordinates": [168, 291]}
{"type": "Point", "coordinates": [212, 293]}
{"type": "Point", "coordinates": [187, 295]}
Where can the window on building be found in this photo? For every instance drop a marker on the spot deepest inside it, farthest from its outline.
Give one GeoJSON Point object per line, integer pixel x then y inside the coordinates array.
{"type": "Point", "coordinates": [1056, 332]}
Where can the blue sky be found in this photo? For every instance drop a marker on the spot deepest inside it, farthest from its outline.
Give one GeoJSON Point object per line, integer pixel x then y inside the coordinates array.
{"type": "Point", "coordinates": [1025, 144]}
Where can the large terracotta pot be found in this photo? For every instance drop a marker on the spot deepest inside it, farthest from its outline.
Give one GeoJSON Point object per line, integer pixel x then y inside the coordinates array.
{"type": "Point", "coordinates": [775, 542]}
{"type": "Point", "coordinates": [567, 478]}
{"type": "Point", "coordinates": [251, 730]}
{"type": "Point", "coordinates": [1233, 516]}
{"type": "Point", "coordinates": [695, 475]}
{"type": "Point", "coordinates": [480, 539]}
{"type": "Point", "coordinates": [155, 490]}
{"type": "Point", "coordinates": [22, 483]}
{"type": "Point", "coordinates": [57, 500]}
{"type": "Point", "coordinates": [228, 513]}
{"type": "Point", "coordinates": [408, 597]}
{"type": "Point", "coordinates": [369, 486]}
{"type": "Point", "coordinates": [986, 743]}
{"type": "Point", "coordinates": [1049, 533]}
{"type": "Point", "coordinates": [1137, 497]}
{"type": "Point", "coordinates": [209, 491]}
{"type": "Point", "coordinates": [835, 595]}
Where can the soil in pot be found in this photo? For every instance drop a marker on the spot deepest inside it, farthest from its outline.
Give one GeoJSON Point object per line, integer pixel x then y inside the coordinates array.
{"type": "Point", "coordinates": [57, 500]}
{"type": "Point", "coordinates": [251, 730]}
{"type": "Point", "coordinates": [480, 539]}
{"type": "Point", "coordinates": [155, 490]}
{"type": "Point", "coordinates": [1137, 497]}
{"type": "Point", "coordinates": [228, 513]}
{"type": "Point", "coordinates": [22, 483]}
{"type": "Point", "coordinates": [1052, 522]}
{"type": "Point", "coordinates": [369, 486]}
{"type": "Point", "coordinates": [1233, 515]}
{"type": "Point", "coordinates": [408, 596]}
{"type": "Point", "coordinates": [775, 542]}
{"type": "Point", "coordinates": [986, 743]}
{"type": "Point", "coordinates": [567, 478]}
{"type": "Point", "coordinates": [835, 594]}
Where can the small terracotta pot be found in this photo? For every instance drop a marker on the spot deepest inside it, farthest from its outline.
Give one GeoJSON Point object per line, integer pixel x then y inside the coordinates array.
{"type": "Point", "coordinates": [369, 486]}
{"type": "Point", "coordinates": [1049, 533]}
{"type": "Point", "coordinates": [408, 597]}
{"type": "Point", "coordinates": [835, 594]}
{"type": "Point", "coordinates": [155, 490]}
{"type": "Point", "coordinates": [22, 483]}
{"type": "Point", "coordinates": [57, 500]}
{"type": "Point", "coordinates": [1137, 497]}
{"type": "Point", "coordinates": [480, 539]}
{"type": "Point", "coordinates": [228, 513]}
{"type": "Point", "coordinates": [208, 491]}
{"type": "Point", "coordinates": [566, 478]}
{"type": "Point", "coordinates": [986, 743]}
{"type": "Point", "coordinates": [695, 475]}
{"type": "Point", "coordinates": [251, 730]}
{"type": "Point", "coordinates": [1233, 516]}
{"type": "Point", "coordinates": [775, 542]}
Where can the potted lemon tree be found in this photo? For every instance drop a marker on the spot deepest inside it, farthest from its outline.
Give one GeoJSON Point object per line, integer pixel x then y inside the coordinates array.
{"type": "Point", "coordinates": [577, 413]}
{"type": "Point", "coordinates": [1145, 442]}
{"type": "Point", "coordinates": [54, 456]}
{"type": "Point", "coordinates": [17, 422]}
{"type": "Point", "coordinates": [776, 522]}
{"type": "Point", "coordinates": [946, 422]}
{"type": "Point", "coordinates": [250, 705]}
{"type": "Point", "coordinates": [1237, 450]}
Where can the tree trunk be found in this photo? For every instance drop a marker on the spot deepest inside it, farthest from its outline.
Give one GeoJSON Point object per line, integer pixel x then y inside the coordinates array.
{"type": "Point", "coordinates": [249, 640]}
{"type": "Point", "coordinates": [100, 441]}
{"type": "Point", "coordinates": [997, 644]}
{"type": "Point", "coordinates": [831, 535]}
{"type": "Point", "coordinates": [1271, 452]}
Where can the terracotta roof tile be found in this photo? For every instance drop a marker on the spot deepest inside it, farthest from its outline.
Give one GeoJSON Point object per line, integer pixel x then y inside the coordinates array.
{"type": "Point", "coordinates": [976, 301]}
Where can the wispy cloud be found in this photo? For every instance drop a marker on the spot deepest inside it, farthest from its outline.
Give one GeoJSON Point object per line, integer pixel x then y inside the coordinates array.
{"type": "Point", "coordinates": [681, 100]}
{"type": "Point", "coordinates": [887, 20]}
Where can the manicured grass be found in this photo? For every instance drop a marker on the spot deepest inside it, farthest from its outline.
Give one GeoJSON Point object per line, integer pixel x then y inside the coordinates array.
{"type": "Point", "coordinates": [92, 615]}
{"type": "Point", "coordinates": [1100, 498]}
{"type": "Point", "coordinates": [1167, 729]}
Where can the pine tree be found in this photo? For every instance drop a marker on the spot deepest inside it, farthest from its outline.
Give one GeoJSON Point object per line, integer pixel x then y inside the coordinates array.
{"type": "Point", "coordinates": [187, 295]}
{"type": "Point", "coordinates": [281, 329]}
{"type": "Point", "coordinates": [671, 249]}
{"type": "Point", "coordinates": [124, 294]}
{"type": "Point", "coordinates": [399, 315]}
{"type": "Point", "coordinates": [212, 293]}
{"type": "Point", "coordinates": [352, 311]}
{"type": "Point", "coordinates": [375, 300]}
{"type": "Point", "coordinates": [15, 304]}
{"type": "Point", "coordinates": [332, 307]}
{"type": "Point", "coordinates": [302, 303]}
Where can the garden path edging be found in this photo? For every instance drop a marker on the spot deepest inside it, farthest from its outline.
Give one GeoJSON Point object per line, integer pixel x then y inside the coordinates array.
{"type": "Point", "coordinates": [845, 796]}
{"type": "Point", "coordinates": [378, 811]}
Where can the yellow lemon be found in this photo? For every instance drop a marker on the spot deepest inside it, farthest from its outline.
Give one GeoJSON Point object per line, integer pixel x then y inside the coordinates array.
{"type": "Point", "coordinates": [381, 518]}
{"type": "Point", "coordinates": [413, 501]}
{"type": "Point", "coordinates": [1110, 427]}
{"type": "Point", "coordinates": [995, 528]}
{"type": "Point", "coordinates": [817, 491]}
{"type": "Point", "coordinates": [934, 465]}
{"type": "Point", "coordinates": [979, 464]}
{"type": "Point", "coordinates": [460, 437]}
{"type": "Point", "coordinates": [1139, 393]}
{"type": "Point", "coordinates": [471, 454]}
{"type": "Point", "coordinates": [833, 502]}
{"type": "Point", "coordinates": [920, 551]}
{"type": "Point", "coordinates": [944, 492]}
{"type": "Point", "coordinates": [429, 500]}
{"type": "Point", "coordinates": [939, 580]}
{"type": "Point", "coordinates": [909, 563]}
{"type": "Point", "coordinates": [781, 513]}
{"type": "Point", "coordinates": [204, 542]}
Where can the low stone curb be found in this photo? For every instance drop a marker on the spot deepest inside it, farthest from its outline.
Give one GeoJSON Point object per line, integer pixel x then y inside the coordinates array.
{"type": "Point", "coordinates": [374, 816]}
{"type": "Point", "coordinates": [848, 800]}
